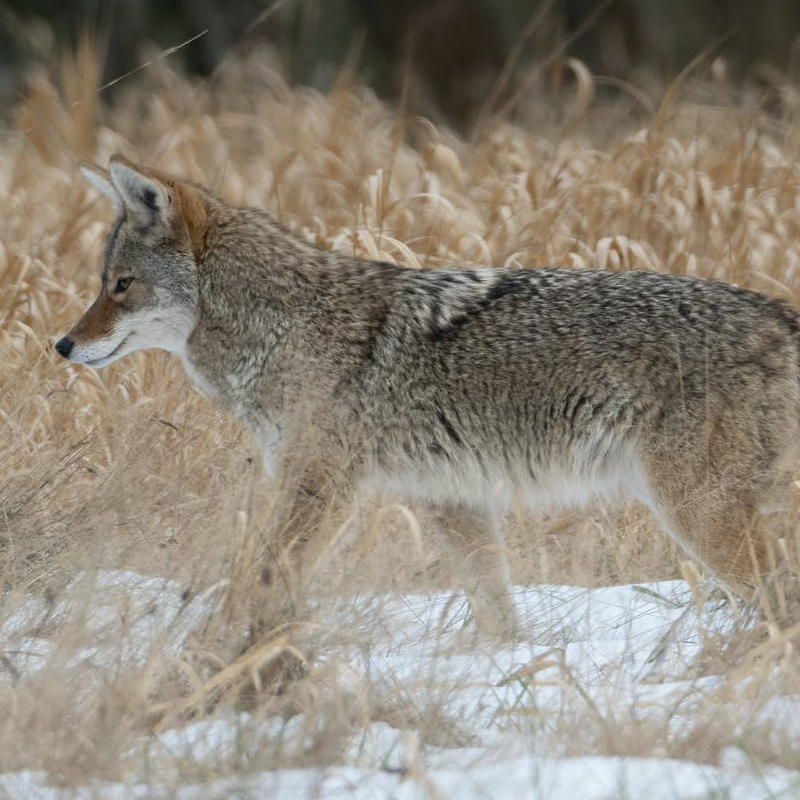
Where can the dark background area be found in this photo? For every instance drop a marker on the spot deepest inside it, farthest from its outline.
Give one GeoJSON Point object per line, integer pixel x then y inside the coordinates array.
{"type": "Point", "coordinates": [449, 52]}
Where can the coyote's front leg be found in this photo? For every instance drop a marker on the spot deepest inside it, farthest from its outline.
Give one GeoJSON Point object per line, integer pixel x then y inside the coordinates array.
{"type": "Point", "coordinates": [314, 506]}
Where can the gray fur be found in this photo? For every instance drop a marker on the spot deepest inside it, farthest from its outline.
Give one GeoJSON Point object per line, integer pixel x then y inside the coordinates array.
{"type": "Point", "coordinates": [469, 389]}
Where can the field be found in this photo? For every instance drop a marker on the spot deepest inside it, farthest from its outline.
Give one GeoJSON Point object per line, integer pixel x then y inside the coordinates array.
{"type": "Point", "coordinates": [129, 503]}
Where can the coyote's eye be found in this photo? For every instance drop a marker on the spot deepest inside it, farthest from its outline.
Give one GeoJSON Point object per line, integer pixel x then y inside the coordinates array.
{"type": "Point", "coordinates": [122, 285]}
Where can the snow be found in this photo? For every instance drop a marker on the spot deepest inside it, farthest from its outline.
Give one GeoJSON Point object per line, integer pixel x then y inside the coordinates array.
{"type": "Point", "coordinates": [584, 778]}
{"type": "Point", "coordinates": [623, 653]}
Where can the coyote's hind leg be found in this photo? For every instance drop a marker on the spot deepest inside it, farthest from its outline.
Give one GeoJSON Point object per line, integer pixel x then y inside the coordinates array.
{"type": "Point", "coordinates": [716, 517]}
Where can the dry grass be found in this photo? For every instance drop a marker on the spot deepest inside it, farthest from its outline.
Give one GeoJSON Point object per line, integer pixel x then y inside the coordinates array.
{"type": "Point", "coordinates": [128, 468]}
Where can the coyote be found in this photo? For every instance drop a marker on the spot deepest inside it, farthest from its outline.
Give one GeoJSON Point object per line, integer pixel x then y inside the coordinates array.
{"type": "Point", "coordinates": [466, 390]}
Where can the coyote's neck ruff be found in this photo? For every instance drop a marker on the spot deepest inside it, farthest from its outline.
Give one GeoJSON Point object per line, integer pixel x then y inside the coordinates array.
{"type": "Point", "coordinates": [467, 389]}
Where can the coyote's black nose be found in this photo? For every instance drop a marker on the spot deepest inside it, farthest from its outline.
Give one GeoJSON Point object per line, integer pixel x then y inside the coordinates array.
{"type": "Point", "coordinates": [64, 346]}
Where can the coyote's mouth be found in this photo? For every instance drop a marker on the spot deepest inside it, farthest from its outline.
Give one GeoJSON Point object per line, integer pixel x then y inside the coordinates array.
{"type": "Point", "coordinates": [99, 362]}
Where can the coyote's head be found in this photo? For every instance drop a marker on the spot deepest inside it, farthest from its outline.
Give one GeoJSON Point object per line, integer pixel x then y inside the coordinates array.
{"type": "Point", "coordinates": [149, 292]}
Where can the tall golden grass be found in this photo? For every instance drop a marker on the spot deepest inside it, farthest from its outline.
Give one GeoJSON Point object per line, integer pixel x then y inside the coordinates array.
{"type": "Point", "coordinates": [129, 468]}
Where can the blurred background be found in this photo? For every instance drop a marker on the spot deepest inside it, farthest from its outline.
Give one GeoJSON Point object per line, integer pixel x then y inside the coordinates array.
{"type": "Point", "coordinates": [444, 56]}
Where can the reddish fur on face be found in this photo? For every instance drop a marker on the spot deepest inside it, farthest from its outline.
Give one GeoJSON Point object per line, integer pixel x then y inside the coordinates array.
{"type": "Point", "coordinates": [97, 322]}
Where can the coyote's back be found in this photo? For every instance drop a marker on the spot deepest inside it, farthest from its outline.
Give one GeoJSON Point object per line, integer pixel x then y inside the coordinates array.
{"type": "Point", "coordinates": [467, 389]}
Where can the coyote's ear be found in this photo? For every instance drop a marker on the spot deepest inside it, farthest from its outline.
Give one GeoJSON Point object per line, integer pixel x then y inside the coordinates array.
{"type": "Point", "coordinates": [101, 180]}
{"type": "Point", "coordinates": [146, 199]}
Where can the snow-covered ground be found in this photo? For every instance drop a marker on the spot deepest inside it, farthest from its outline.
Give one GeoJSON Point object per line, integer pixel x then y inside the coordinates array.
{"type": "Point", "coordinates": [618, 657]}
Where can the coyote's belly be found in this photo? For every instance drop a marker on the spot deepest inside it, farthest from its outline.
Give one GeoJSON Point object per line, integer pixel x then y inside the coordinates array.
{"type": "Point", "coordinates": [479, 481]}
